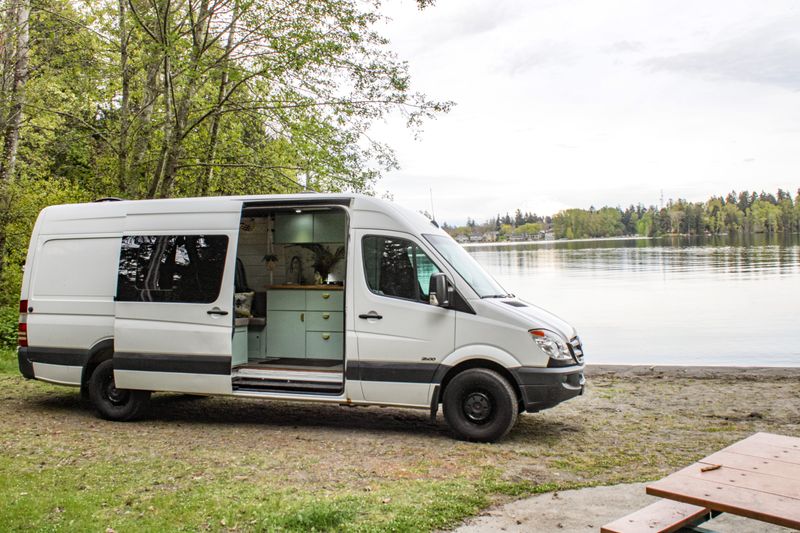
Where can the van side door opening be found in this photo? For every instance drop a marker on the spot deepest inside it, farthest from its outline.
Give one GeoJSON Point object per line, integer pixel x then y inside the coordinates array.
{"type": "Point", "coordinates": [289, 327]}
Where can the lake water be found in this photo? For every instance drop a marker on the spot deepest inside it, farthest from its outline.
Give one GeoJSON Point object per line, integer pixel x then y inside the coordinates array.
{"type": "Point", "coordinates": [729, 300]}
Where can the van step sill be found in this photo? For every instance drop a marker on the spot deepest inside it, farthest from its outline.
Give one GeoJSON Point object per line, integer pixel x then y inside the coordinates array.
{"type": "Point", "coordinates": [261, 386]}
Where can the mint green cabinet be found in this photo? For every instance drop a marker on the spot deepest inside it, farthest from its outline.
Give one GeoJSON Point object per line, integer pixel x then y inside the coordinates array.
{"type": "Point", "coordinates": [299, 228]}
{"type": "Point", "coordinates": [286, 300]}
{"type": "Point", "coordinates": [321, 300]}
{"type": "Point", "coordinates": [305, 324]}
{"type": "Point", "coordinates": [324, 321]}
{"type": "Point", "coordinates": [323, 345]}
{"type": "Point", "coordinates": [239, 346]}
{"type": "Point", "coordinates": [294, 228]}
{"type": "Point", "coordinates": [255, 342]}
{"type": "Point", "coordinates": [286, 334]}
{"type": "Point", "coordinates": [329, 227]}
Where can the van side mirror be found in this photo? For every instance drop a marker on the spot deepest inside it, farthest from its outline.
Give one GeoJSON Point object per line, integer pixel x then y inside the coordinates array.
{"type": "Point", "coordinates": [439, 290]}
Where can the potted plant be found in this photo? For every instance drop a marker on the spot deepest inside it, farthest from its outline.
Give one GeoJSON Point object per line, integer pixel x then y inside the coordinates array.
{"type": "Point", "coordinates": [324, 259]}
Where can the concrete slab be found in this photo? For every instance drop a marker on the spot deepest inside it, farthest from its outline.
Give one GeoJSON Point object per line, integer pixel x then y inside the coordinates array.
{"type": "Point", "coordinates": [587, 510]}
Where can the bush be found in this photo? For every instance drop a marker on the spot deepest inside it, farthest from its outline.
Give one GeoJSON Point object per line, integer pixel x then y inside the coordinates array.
{"type": "Point", "coordinates": [9, 317]}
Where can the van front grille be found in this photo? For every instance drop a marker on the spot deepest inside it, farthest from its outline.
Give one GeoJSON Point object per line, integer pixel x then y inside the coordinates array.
{"type": "Point", "coordinates": [576, 348]}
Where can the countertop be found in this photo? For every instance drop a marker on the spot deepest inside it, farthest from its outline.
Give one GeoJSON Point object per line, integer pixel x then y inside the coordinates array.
{"type": "Point", "coordinates": [306, 287]}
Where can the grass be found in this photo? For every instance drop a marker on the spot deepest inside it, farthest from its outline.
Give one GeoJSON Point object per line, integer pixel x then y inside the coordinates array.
{"type": "Point", "coordinates": [226, 464]}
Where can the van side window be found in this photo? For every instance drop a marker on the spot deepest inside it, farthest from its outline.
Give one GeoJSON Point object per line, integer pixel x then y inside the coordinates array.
{"type": "Point", "coordinates": [397, 267]}
{"type": "Point", "coordinates": [171, 268]}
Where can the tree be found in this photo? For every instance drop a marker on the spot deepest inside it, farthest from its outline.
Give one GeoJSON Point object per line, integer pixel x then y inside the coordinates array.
{"type": "Point", "coordinates": [20, 10]}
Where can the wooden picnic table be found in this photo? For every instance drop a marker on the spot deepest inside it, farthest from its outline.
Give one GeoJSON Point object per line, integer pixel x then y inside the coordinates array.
{"type": "Point", "coordinates": [758, 477]}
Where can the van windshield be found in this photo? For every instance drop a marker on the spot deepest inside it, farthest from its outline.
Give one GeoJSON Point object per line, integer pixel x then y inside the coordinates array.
{"type": "Point", "coordinates": [466, 266]}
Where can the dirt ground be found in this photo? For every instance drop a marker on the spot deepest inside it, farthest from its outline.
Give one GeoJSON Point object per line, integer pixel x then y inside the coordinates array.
{"type": "Point", "coordinates": [398, 469]}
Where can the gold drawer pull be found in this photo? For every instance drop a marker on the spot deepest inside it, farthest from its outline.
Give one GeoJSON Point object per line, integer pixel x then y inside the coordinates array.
{"type": "Point", "coordinates": [325, 295]}
{"type": "Point", "coordinates": [326, 336]}
{"type": "Point", "coordinates": [325, 316]}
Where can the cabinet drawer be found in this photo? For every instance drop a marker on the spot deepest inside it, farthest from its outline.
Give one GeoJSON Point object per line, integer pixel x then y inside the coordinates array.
{"type": "Point", "coordinates": [324, 321]}
{"type": "Point", "coordinates": [324, 345]}
{"type": "Point", "coordinates": [288, 300]}
{"type": "Point", "coordinates": [322, 300]}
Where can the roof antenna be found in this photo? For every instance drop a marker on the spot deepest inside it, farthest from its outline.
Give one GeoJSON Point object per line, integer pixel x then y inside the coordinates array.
{"type": "Point", "coordinates": [433, 214]}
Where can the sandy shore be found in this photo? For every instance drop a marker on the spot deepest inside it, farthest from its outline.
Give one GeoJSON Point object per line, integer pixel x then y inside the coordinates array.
{"type": "Point", "coordinates": [695, 372]}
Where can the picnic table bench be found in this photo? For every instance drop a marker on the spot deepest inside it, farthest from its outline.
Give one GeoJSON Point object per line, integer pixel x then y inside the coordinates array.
{"type": "Point", "coordinates": [758, 478]}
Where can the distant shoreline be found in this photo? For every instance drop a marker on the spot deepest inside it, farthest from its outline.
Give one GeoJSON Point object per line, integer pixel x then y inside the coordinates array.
{"type": "Point", "coordinates": [514, 243]}
{"type": "Point", "coordinates": [698, 372]}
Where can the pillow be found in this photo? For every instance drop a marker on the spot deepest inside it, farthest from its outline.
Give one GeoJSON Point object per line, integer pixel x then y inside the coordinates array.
{"type": "Point", "coordinates": [243, 302]}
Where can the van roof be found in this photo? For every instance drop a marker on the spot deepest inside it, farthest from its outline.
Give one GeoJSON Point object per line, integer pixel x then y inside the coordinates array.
{"type": "Point", "coordinates": [60, 219]}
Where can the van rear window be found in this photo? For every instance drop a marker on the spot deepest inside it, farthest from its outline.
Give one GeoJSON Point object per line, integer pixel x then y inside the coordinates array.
{"type": "Point", "coordinates": [171, 268]}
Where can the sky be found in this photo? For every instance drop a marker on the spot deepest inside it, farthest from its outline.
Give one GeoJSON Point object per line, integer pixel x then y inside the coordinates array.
{"type": "Point", "coordinates": [579, 103]}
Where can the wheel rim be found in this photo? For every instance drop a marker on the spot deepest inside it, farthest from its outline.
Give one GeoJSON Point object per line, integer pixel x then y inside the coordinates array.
{"type": "Point", "coordinates": [112, 394]}
{"type": "Point", "coordinates": [478, 407]}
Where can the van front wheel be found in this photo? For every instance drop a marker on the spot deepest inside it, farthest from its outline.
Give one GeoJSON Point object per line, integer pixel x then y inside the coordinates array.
{"type": "Point", "coordinates": [480, 405]}
{"type": "Point", "coordinates": [113, 403]}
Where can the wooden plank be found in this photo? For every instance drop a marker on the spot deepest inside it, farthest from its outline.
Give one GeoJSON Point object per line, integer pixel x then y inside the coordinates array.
{"type": "Point", "coordinates": [757, 481]}
{"type": "Point", "coordinates": [775, 440]}
{"type": "Point", "coordinates": [754, 464]}
{"type": "Point", "coordinates": [765, 451]}
{"type": "Point", "coordinates": [763, 506]}
{"type": "Point", "coordinates": [663, 516]}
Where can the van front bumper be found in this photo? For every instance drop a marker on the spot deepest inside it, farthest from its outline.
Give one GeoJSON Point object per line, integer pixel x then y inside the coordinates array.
{"type": "Point", "coordinates": [543, 388]}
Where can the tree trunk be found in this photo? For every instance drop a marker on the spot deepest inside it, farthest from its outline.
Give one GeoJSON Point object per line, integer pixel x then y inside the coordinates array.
{"type": "Point", "coordinates": [122, 171]}
{"type": "Point", "coordinates": [11, 138]}
{"type": "Point", "coordinates": [175, 133]}
{"type": "Point", "coordinates": [211, 155]}
{"type": "Point", "coordinates": [136, 170]}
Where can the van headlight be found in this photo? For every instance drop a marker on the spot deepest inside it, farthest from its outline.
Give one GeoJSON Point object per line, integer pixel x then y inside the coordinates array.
{"type": "Point", "coordinates": [552, 344]}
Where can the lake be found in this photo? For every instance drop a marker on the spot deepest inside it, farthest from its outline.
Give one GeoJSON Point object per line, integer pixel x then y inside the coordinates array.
{"type": "Point", "coordinates": [727, 300]}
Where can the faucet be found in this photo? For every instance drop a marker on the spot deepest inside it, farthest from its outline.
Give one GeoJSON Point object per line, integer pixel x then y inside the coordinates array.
{"type": "Point", "coordinates": [296, 269]}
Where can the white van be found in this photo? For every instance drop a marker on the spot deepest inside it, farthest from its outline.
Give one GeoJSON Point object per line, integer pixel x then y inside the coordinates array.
{"type": "Point", "coordinates": [337, 298]}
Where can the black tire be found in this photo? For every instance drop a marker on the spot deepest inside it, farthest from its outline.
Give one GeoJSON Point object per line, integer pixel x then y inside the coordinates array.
{"type": "Point", "coordinates": [480, 405]}
{"type": "Point", "coordinates": [113, 403]}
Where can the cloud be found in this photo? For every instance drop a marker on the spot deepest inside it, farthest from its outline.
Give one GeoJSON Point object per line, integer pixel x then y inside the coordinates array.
{"type": "Point", "coordinates": [624, 47]}
{"type": "Point", "coordinates": [769, 55]}
{"type": "Point", "coordinates": [542, 53]}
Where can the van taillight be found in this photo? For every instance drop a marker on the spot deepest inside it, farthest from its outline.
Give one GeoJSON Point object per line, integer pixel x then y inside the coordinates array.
{"type": "Point", "coordinates": [22, 335]}
{"type": "Point", "coordinates": [22, 332]}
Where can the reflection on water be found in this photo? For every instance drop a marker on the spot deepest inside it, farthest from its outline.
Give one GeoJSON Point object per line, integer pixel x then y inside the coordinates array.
{"type": "Point", "coordinates": [674, 300]}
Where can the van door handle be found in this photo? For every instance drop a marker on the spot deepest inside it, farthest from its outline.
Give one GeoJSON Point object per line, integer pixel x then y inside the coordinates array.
{"type": "Point", "coordinates": [217, 311]}
{"type": "Point", "coordinates": [371, 314]}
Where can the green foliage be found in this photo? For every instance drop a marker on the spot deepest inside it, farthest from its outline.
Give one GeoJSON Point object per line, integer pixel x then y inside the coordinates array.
{"type": "Point", "coordinates": [747, 212]}
{"type": "Point", "coordinates": [582, 224]}
{"type": "Point", "coordinates": [146, 99]}
{"type": "Point", "coordinates": [9, 318]}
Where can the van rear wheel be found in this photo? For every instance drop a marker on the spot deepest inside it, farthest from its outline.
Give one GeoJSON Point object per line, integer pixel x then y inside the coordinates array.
{"type": "Point", "coordinates": [113, 403]}
{"type": "Point", "coordinates": [480, 405]}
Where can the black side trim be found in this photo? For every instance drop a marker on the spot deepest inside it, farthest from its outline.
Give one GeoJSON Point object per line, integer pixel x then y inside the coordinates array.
{"type": "Point", "coordinates": [25, 366]}
{"type": "Point", "coordinates": [189, 364]}
{"type": "Point", "coordinates": [399, 372]}
{"type": "Point", "coordinates": [57, 356]}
